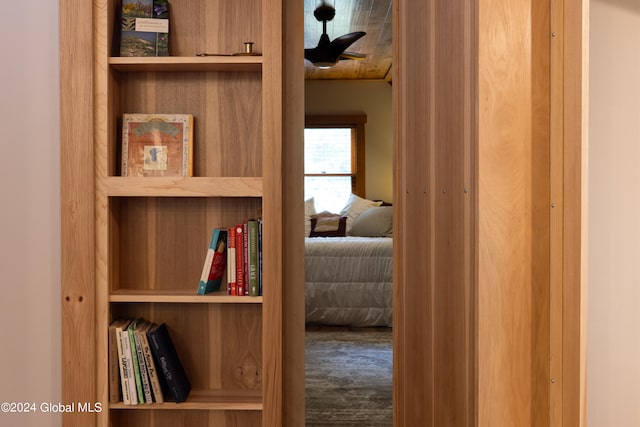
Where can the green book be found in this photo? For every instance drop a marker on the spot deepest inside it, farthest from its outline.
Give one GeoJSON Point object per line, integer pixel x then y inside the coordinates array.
{"type": "Point", "coordinates": [254, 288]}
{"type": "Point", "coordinates": [134, 356]}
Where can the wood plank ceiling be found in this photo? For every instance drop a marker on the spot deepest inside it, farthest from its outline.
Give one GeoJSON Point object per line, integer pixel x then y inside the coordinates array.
{"type": "Point", "coordinates": [372, 16]}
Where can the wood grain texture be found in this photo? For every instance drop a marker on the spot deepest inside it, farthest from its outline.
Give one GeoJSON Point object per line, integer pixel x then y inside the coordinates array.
{"type": "Point", "coordinates": [272, 106]}
{"type": "Point", "coordinates": [541, 213]}
{"type": "Point", "coordinates": [184, 187]}
{"type": "Point", "coordinates": [150, 237]}
{"type": "Point", "coordinates": [434, 325]}
{"type": "Point", "coordinates": [575, 182]}
{"type": "Point", "coordinates": [371, 16]}
{"type": "Point", "coordinates": [556, 265]}
{"type": "Point", "coordinates": [77, 216]}
{"type": "Point", "coordinates": [505, 214]}
{"type": "Point", "coordinates": [215, 355]}
{"type": "Point", "coordinates": [293, 351]}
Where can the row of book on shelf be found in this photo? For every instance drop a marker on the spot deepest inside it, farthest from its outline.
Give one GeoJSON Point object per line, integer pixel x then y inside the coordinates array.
{"type": "Point", "coordinates": [144, 366]}
{"type": "Point", "coordinates": [234, 253]}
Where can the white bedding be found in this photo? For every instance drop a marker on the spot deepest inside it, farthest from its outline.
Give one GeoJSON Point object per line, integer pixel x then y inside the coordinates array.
{"type": "Point", "coordinates": [349, 281]}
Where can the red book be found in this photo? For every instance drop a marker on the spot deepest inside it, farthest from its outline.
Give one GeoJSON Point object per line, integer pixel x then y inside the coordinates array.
{"type": "Point", "coordinates": [231, 262]}
{"type": "Point", "coordinates": [240, 259]}
{"type": "Point", "coordinates": [245, 256]}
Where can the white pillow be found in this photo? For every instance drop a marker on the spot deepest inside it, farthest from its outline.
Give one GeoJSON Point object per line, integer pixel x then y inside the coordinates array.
{"type": "Point", "coordinates": [354, 207]}
{"type": "Point", "coordinates": [374, 222]}
{"type": "Point", "coordinates": [309, 210]}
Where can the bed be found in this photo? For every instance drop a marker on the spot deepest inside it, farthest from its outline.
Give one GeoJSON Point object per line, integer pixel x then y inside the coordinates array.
{"type": "Point", "coordinates": [349, 266]}
{"type": "Point", "coordinates": [348, 281]}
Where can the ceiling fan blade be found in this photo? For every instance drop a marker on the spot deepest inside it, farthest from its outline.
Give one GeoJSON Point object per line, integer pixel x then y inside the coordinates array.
{"type": "Point", "coordinates": [340, 44]}
{"type": "Point", "coordinates": [313, 55]}
{"type": "Point", "coordinates": [353, 55]}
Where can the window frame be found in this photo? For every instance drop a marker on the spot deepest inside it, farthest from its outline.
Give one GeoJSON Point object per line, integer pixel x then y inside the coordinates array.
{"type": "Point", "coordinates": [358, 160]}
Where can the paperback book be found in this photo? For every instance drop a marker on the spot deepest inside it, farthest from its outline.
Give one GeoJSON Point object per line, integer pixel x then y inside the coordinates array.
{"type": "Point", "coordinates": [145, 28]}
{"type": "Point", "coordinates": [157, 145]}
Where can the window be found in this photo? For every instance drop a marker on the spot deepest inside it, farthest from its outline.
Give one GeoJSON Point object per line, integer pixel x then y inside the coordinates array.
{"type": "Point", "coordinates": [333, 160]}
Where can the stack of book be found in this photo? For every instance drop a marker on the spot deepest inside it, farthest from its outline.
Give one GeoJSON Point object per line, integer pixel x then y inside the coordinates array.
{"type": "Point", "coordinates": [144, 366]}
{"type": "Point", "coordinates": [237, 252]}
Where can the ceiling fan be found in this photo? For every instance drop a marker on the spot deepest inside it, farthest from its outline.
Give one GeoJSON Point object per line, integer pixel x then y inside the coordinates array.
{"type": "Point", "coordinates": [329, 52]}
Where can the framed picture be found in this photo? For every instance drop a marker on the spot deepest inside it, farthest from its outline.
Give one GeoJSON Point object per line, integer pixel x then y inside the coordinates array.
{"type": "Point", "coordinates": [157, 145]}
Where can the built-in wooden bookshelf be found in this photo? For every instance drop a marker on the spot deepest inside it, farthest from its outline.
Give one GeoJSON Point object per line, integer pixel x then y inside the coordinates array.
{"type": "Point", "coordinates": [152, 233]}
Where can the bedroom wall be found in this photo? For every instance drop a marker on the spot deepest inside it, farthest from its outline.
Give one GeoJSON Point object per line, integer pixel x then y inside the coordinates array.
{"type": "Point", "coordinates": [30, 226]}
{"type": "Point", "coordinates": [613, 356]}
{"type": "Point", "coordinates": [374, 99]}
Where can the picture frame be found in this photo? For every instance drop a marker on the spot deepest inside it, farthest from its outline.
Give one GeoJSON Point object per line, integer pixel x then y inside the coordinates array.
{"type": "Point", "coordinates": [157, 145]}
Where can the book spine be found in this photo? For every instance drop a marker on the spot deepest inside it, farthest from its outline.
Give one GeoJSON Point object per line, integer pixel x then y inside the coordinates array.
{"type": "Point", "coordinates": [144, 376]}
{"type": "Point", "coordinates": [252, 228]}
{"type": "Point", "coordinates": [260, 256]}
{"type": "Point", "coordinates": [232, 288]}
{"type": "Point", "coordinates": [114, 366]}
{"type": "Point", "coordinates": [245, 256]}
{"type": "Point", "coordinates": [151, 369]}
{"type": "Point", "coordinates": [136, 365]}
{"type": "Point", "coordinates": [124, 162]}
{"type": "Point", "coordinates": [128, 367]}
{"type": "Point", "coordinates": [239, 259]}
{"type": "Point", "coordinates": [208, 262]}
{"type": "Point", "coordinates": [122, 362]}
{"type": "Point", "coordinates": [169, 363]}
{"type": "Point", "coordinates": [218, 265]}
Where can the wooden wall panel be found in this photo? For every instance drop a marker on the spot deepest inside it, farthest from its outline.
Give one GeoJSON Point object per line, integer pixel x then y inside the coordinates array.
{"type": "Point", "coordinates": [435, 117]}
{"type": "Point", "coordinates": [490, 256]}
{"type": "Point", "coordinates": [505, 214]}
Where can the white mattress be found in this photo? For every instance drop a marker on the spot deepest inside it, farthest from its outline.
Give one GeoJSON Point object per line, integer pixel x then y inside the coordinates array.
{"type": "Point", "coordinates": [349, 281]}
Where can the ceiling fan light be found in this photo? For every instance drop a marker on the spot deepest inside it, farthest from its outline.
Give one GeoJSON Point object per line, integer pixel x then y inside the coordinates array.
{"type": "Point", "coordinates": [324, 65]}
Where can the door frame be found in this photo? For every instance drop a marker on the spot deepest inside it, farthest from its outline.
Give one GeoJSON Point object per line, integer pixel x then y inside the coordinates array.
{"type": "Point", "coordinates": [441, 379]}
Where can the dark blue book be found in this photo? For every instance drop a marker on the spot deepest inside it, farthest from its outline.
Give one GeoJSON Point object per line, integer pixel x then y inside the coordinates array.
{"type": "Point", "coordinates": [168, 362]}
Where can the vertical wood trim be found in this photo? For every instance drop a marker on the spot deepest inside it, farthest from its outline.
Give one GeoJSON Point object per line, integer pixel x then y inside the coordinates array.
{"type": "Point", "coordinates": [556, 217]}
{"type": "Point", "coordinates": [575, 161]}
{"type": "Point", "coordinates": [541, 190]}
{"type": "Point", "coordinates": [102, 132]}
{"type": "Point", "coordinates": [293, 219]}
{"type": "Point", "coordinates": [471, 223]}
{"type": "Point", "coordinates": [412, 379]}
{"type": "Point", "coordinates": [272, 204]}
{"type": "Point", "coordinates": [398, 97]}
{"type": "Point", "coordinates": [77, 203]}
{"type": "Point", "coordinates": [505, 214]}
{"type": "Point", "coordinates": [361, 160]}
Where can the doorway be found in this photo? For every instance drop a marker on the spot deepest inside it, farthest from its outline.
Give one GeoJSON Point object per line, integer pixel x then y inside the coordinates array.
{"type": "Point", "coordinates": [438, 382]}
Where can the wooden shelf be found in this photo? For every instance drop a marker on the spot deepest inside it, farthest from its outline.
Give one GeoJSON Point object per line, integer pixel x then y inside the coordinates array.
{"type": "Point", "coordinates": [187, 63]}
{"type": "Point", "coordinates": [150, 232]}
{"type": "Point", "coordinates": [179, 296]}
{"type": "Point", "coordinates": [184, 187]}
{"type": "Point", "coordinates": [249, 400]}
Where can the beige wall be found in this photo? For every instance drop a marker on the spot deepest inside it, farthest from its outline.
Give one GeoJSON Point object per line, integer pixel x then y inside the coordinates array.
{"type": "Point", "coordinates": [613, 357]}
{"type": "Point", "coordinates": [374, 99]}
{"type": "Point", "coordinates": [30, 225]}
